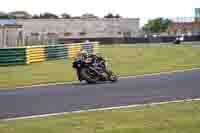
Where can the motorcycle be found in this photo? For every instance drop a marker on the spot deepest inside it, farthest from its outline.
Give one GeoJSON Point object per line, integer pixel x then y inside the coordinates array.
{"type": "Point", "coordinates": [93, 70]}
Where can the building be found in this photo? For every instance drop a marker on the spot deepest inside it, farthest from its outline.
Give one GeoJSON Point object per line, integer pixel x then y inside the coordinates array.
{"type": "Point", "coordinates": [183, 26]}
{"type": "Point", "coordinates": [188, 28]}
{"type": "Point", "coordinates": [81, 28]}
{"type": "Point", "coordinates": [9, 33]}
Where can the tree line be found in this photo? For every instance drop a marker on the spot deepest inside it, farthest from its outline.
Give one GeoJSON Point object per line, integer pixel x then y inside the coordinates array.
{"type": "Point", "coordinates": [156, 25]}
{"type": "Point", "coordinates": [48, 15]}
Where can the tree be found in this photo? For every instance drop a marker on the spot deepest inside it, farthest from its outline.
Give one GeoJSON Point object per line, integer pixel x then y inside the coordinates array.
{"type": "Point", "coordinates": [117, 16]}
{"type": "Point", "coordinates": [36, 16]}
{"type": "Point", "coordinates": [88, 15]}
{"type": "Point", "coordinates": [6, 16]}
{"type": "Point", "coordinates": [20, 14]}
{"type": "Point", "coordinates": [109, 15]}
{"type": "Point", "coordinates": [48, 15]}
{"type": "Point", "coordinates": [65, 16]}
{"type": "Point", "coordinates": [76, 17]}
{"type": "Point", "coordinates": [156, 25]}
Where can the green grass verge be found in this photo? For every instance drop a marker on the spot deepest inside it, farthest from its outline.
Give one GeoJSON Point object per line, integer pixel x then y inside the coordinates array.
{"type": "Point", "coordinates": [167, 118]}
{"type": "Point", "coordinates": [125, 60]}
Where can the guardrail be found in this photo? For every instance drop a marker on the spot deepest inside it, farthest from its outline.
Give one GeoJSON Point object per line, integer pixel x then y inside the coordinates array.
{"type": "Point", "coordinates": [131, 40]}
{"type": "Point", "coordinates": [32, 54]}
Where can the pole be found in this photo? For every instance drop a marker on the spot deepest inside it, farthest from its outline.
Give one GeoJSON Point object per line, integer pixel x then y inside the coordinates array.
{"type": "Point", "coordinates": [1, 37]}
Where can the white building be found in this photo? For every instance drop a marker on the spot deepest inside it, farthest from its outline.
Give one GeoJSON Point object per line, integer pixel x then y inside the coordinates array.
{"type": "Point", "coordinates": [80, 28]}
{"type": "Point", "coordinates": [9, 33]}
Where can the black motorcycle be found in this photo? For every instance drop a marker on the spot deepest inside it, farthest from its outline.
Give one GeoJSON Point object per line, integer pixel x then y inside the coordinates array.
{"type": "Point", "coordinates": [93, 70]}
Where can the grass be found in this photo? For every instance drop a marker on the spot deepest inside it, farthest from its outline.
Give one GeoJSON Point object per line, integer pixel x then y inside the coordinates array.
{"type": "Point", "coordinates": [124, 60]}
{"type": "Point", "coordinates": [127, 60]}
{"type": "Point", "coordinates": [167, 118]}
{"type": "Point", "coordinates": [50, 71]}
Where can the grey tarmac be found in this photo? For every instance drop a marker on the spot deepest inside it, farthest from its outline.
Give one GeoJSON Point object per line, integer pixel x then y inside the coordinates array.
{"type": "Point", "coordinates": [39, 100]}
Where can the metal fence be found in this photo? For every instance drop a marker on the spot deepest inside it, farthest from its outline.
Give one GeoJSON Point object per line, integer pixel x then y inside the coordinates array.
{"type": "Point", "coordinates": [15, 38]}
{"type": "Point", "coordinates": [132, 40]}
{"type": "Point", "coordinates": [40, 39]}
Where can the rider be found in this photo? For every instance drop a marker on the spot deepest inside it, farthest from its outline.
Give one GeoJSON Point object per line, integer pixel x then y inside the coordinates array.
{"type": "Point", "coordinates": [83, 55]}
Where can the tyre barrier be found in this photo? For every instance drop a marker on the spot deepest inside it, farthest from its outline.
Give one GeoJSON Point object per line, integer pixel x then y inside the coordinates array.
{"type": "Point", "coordinates": [33, 54]}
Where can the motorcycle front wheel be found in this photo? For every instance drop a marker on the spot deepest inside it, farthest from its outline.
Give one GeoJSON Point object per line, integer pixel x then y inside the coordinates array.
{"type": "Point", "coordinates": [111, 76]}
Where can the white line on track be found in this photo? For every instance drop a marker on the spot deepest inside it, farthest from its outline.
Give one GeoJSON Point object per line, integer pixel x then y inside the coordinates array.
{"type": "Point", "coordinates": [101, 109]}
{"type": "Point", "coordinates": [161, 73]}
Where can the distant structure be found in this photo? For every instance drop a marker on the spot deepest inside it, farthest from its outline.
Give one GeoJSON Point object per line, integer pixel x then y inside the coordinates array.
{"type": "Point", "coordinates": [9, 33]}
{"type": "Point", "coordinates": [188, 26]}
{"type": "Point", "coordinates": [84, 27]}
{"type": "Point", "coordinates": [197, 14]}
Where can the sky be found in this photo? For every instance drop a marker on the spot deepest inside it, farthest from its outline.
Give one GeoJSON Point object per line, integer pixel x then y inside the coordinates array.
{"type": "Point", "coordinates": [143, 9]}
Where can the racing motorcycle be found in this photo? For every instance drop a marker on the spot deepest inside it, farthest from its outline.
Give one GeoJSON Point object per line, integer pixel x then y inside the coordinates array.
{"type": "Point", "coordinates": [94, 70]}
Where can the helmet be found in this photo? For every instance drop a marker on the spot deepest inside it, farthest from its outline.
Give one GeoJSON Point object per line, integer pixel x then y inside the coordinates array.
{"type": "Point", "coordinates": [84, 53]}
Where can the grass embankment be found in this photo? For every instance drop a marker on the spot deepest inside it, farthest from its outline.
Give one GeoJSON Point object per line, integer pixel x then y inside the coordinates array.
{"type": "Point", "coordinates": [125, 60]}
{"type": "Point", "coordinates": [167, 118]}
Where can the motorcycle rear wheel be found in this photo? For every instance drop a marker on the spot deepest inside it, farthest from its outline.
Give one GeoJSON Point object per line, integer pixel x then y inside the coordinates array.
{"type": "Point", "coordinates": [89, 78]}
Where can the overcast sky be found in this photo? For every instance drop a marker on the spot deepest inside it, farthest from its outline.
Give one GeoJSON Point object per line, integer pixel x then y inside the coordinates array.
{"type": "Point", "coordinates": [143, 9]}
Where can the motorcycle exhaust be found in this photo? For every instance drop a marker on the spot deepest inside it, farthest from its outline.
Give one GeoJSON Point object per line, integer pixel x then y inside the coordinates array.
{"type": "Point", "coordinates": [99, 73]}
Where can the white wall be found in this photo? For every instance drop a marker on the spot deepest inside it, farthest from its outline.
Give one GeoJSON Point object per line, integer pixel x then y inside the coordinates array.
{"type": "Point", "coordinates": [93, 27]}
{"type": "Point", "coordinates": [8, 37]}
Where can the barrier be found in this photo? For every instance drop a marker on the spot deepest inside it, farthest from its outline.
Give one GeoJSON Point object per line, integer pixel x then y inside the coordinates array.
{"type": "Point", "coordinates": [131, 40]}
{"type": "Point", "coordinates": [73, 50]}
{"type": "Point", "coordinates": [33, 54]}
{"type": "Point", "coordinates": [12, 56]}
{"type": "Point", "coordinates": [95, 48]}
{"type": "Point", "coordinates": [53, 52]}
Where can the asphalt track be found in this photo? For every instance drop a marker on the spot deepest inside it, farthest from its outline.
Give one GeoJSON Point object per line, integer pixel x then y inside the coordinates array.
{"type": "Point", "coordinates": [73, 97]}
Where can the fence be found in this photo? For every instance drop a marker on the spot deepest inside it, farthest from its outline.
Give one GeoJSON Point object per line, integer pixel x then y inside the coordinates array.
{"type": "Point", "coordinates": [131, 40]}
{"type": "Point", "coordinates": [32, 54]}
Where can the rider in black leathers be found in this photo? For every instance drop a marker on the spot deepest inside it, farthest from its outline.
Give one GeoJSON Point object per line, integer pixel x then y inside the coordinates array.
{"type": "Point", "coordinates": [83, 55]}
